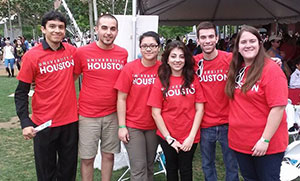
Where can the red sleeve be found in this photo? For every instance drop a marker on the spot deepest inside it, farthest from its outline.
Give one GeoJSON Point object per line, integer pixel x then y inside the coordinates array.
{"type": "Point", "coordinates": [124, 80]}
{"type": "Point", "coordinates": [156, 97]}
{"type": "Point", "coordinates": [200, 98]}
{"type": "Point", "coordinates": [28, 71]}
{"type": "Point", "coordinates": [77, 60]}
{"type": "Point", "coordinates": [276, 89]}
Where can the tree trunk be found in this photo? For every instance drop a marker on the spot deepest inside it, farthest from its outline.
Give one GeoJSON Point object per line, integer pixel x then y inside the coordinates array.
{"type": "Point", "coordinates": [20, 22]}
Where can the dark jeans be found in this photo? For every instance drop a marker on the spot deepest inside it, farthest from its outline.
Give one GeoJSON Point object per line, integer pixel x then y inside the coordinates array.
{"type": "Point", "coordinates": [264, 168]}
{"type": "Point", "coordinates": [182, 161]}
{"type": "Point", "coordinates": [56, 152]}
{"type": "Point", "coordinates": [209, 138]}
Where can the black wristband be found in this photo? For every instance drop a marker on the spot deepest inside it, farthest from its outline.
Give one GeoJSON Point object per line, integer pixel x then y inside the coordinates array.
{"type": "Point", "coordinates": [171, 142]}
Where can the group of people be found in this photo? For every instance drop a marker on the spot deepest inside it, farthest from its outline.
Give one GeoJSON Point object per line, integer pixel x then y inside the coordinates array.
{"type": "Point", "coordinates": [12, 53]}
{"type": "Point", "coordinates": [235, 99]}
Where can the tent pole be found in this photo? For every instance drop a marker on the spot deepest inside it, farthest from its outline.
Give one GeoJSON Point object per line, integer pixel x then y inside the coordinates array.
{"type": "Point", "coordinates": [134, 2]}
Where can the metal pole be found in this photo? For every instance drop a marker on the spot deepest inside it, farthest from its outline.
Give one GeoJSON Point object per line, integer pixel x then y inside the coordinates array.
{"type": "Point", "coordinates": [113, 6]}
{"type": "Point", "coordinates": [95, 11]}
{"type": "Point", "coordinates": [134, 28]}
{"type": "Point", "coordinates": [125, 7]}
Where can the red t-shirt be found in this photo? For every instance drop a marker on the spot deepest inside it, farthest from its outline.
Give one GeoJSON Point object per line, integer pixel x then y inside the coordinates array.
{"type": "Point", "coordinates": [213, 81]}
{"type": "Point", "coordinates": [177, 111]}
{"type": "Point", "coordinates": [100, 70]}
{"type": "Point", "coordinates": [137, 81]}
{"type": "Point", "coordinates": [54, 95]}
{"type": "Point", "coordinates": [249, 112]}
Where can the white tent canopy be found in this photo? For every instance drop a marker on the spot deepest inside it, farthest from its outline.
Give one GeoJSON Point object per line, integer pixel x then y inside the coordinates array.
{"type": "Point", "coordinates": [222, 12]}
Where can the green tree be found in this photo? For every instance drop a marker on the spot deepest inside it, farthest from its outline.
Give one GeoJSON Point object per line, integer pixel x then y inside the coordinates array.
{"type": "Point", "coordinates": [171, 32]}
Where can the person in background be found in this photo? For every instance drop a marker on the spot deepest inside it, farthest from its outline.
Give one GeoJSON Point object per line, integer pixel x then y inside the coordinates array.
{"type": "Point", "coordinates": [177, 108]}
{"type": "Point", "coordinates": [9, 58]}
{"type": "Point", "coordinates": [136, 125]}
{"type": "Point", "coordinates": [295, 77]}
{"type": "Point", "coordinates": [258, 94]}
{"type": "Point", "coordinates": [19, 50]}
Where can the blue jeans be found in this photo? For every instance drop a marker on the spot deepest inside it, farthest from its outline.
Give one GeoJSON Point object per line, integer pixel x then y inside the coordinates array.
{"type": "Point", "coordinates": [10, 61]}
{"type": "Point", "coordinates": [208, 140]}
{"type": "Point", "coordinates": [264, 168]}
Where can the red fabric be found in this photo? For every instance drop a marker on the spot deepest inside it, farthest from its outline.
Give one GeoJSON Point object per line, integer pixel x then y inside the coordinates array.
{"type": "Point", "coordinates": [294, 95]}
{"type": "Point", "coordinates": [289, 50]}
{"type": "Point", "coordinates": [137, 81]}
{"type": "Point", "coordinates": [249, 112]}
{"type": "Point", "coordinates": [54, 97]}
{"type": "Point", "coordinates": [100, 69]}
{"type": "Point", "coordinates": [178, 111]}
{"type": "Point", "coordinates": [213, 81]}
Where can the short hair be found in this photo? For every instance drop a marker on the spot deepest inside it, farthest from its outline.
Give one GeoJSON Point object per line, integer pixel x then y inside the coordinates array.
{"type": "Point", "coordinates": [53, 15]}
{"type": "Point", "coordinates": [107, 16]}
{"type": "Point", "coordinates": [150, 34]}
{"type": "Point", "coordinates": [206, 25]}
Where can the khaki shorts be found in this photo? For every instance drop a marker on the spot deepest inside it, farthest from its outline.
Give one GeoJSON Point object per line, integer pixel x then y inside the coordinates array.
{"type": "Point", "coordinates": [91, 130]}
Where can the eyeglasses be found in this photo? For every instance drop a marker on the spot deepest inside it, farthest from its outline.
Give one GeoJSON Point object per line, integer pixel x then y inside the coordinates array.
{"type": "Point", "coordinates": [151, 46]}
{"type": "Point", "coordinates": [200, 68]}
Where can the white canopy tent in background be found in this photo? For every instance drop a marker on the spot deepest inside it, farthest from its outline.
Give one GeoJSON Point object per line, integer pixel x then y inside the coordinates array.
{"type": "Point", "coordinates": [221, 12]}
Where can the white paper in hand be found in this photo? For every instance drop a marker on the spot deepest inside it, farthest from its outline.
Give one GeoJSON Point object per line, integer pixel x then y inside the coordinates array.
{"type": "Point", "coordinates": [43, 126]}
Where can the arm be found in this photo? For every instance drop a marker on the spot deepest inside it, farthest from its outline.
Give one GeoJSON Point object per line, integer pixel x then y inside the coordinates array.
{"type": "Point", "coordinates": [156, 114]}
{"type": "Point", "coordinates": [121, 111]}
{"type": "Point", "coordinates": [188, 142]}
{"type": "Point", "coordinates": [273, 122]}
{"type": "Point", "coordinates": [293, 81]}
{"type": "Point", "coordinates": [75, 76]}
{"type": "Point", "coordinates": [21, 102]}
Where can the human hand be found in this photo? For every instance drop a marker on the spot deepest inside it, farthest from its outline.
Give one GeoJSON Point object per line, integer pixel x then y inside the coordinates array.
{"type": "Point", "coordinates": [175, 144]}
{"type": "Point", "coordinates": [123, 135]}
{"type": "Point", "coordinates": [277, 60]}
{"type": "Point", "coordinates": [29, 132]}
{"type": "Point", "coordinates": [260, 148]}
{"type": "Point", "coordinates": [187, 144]}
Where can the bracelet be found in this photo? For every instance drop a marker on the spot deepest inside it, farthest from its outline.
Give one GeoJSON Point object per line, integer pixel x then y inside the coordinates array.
{"type": "Point", "coordinates": [169, 137]}
{"type": "Point", "coordinates": [264, 140]}
{"type": "Point", "coordinates": [122, 126]}
{"type": "Point", "coordinates": [172, 142]}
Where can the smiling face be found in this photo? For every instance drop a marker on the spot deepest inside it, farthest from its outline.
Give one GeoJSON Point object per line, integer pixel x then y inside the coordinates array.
{"type": "Point", "coordinates": [149, 48]}
{"type": "Point", "coordinates": [107, 31]}
{"type": "Point", "coordinates": [176, 61]}
{"type": "Point", "coordinates": [54, 31]}
{"type": "Point", "coordinates": [248, 47]}
{"type": "Point", "coordinates": [207, 40]}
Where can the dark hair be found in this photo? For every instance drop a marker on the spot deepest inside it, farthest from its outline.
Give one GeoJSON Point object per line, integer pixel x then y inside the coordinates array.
{"type": "Point", "coordinates": [206, 25]}
{"type": "Point", "coordinates": [236, 64]}
{"type": "Point", "coordinates": [53, 15]}
{"type": "Point", "coordinates": [297, 61]}
{"type": "Point", "coordinates": [107, 16]}
{"type": "Point", "coordinates": [150, 34]}
{"type": "Point", "coordinates": [164, 70]}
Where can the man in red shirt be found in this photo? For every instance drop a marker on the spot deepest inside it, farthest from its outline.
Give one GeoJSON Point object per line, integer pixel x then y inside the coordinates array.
{"type": "Point", "coordinates": [50, 66]}
{"type": "Point", "coordinates": [100, 63]}
{"type": "Point", "coordinates": [212, 66]}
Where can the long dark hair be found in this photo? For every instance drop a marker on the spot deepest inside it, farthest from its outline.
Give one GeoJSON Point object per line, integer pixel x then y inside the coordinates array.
{"type": "Point", "coordinates": [236, 64]}
{"type": "Point", "coordinates": [164, 71]}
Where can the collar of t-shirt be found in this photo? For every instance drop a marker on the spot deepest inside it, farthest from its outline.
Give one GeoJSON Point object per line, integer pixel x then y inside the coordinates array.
{"type": "Point", "coordinates": [46, 46]}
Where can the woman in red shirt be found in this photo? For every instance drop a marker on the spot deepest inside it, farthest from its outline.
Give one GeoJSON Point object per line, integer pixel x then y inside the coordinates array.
{"type": "Point", "coordinates": [258, 94]}
{"type": "Point", "coordinates": [136, 125]}
{"type": "Point", "coordinates": [177, 108]}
